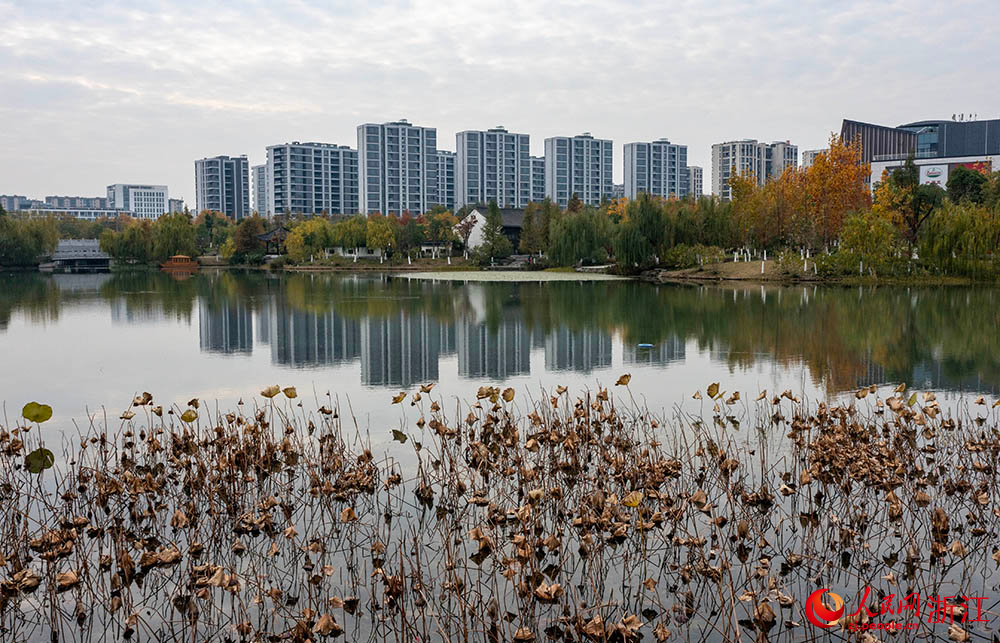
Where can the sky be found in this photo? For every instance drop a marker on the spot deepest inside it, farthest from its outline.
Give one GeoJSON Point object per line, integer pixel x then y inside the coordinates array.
{"type": "Point", "coordinates": [101, 92]}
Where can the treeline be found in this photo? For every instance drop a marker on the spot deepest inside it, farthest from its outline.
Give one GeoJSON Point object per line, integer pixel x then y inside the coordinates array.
{"type": "Point", "coordinates": [24, 241]}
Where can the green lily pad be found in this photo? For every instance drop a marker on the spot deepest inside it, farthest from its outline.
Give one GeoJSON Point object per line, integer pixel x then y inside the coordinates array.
{"type": "Point", "coordinates": [189, 416]}
{"type": "Point", "coordinates": [39, 460]}
{"type": "Point", "coordinates": [35, 412]}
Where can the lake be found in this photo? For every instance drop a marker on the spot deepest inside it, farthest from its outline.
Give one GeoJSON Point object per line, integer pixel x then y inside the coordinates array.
{"type": "Point", "coordinates": [501, 516]}
{"type": "Point", "coordinates": [80, 342]}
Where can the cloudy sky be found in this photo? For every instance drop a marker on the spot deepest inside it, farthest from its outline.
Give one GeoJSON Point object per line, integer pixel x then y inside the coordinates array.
{"type": "Point", "coordinates": [94, 92]}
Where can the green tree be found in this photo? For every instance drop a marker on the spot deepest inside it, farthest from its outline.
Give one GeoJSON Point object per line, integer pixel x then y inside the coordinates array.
{"type": "Point", "coordinates": [905, 202]}
{"type": "Point", "coordinates": [531, 230]}
{"type": "Point", "coordinates": [379, 234]}
{"type": "Point", "coordinates": [965, 184]}
{"type": "Point", "coordinates": [584, 237]}
{"type": "Point", "coordinates": [132, 244]}
{"type": "Point", "coordinates": [351, 233]}
{"type": "Point", "coordinates": [173, 234]}
{"type": "Point", "coordinates": [211, 230]}
{"type": "Point", "coordinates": [495, 244]}
{"type": "Point", "coordinates": [575, 204]}
{"type": "Point", "coordinates": [24, 241]}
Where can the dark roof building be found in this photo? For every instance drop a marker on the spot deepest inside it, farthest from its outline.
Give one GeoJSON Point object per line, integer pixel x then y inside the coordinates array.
{"type": "Point", "coordinates": [878, 140]}
{"type": "Point", "coordinates": [924, 139]}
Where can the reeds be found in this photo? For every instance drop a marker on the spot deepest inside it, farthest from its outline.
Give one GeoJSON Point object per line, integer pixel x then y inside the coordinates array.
{"type": "Point", "coordinates": [570, 517]}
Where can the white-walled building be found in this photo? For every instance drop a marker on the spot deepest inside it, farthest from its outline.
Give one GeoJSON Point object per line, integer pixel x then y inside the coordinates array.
{"type": "Point", "coordinates": [397, 167]}
{"type": "Point", "coordinates": [695, 181]}
{"type": "Point", "coordinates": [311, 178]}
{"type": "Point", "coordinates": [493, 165]}
{"type": "Point", "coordinates": [935, 171]}
{"type": "Point", "coordinates": [259, 176]}
{"type": "Point", "coordinates": [808, 156]}
{"type": "Point", "coordinates": [537, 178]}
{"type": "Point", "coordinates": [446, 179]}
{"type": "Point", "coordinates": [140, 201]}
{"type": "Point", "coordinates": [658, 168]}
{"type": "Point", "coordinates": [580, 165]}
{"type": "Point", "coordinates": [764, 160]}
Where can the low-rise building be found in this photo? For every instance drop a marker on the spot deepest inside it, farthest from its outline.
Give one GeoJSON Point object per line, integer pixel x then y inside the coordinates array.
{"type": "Point", "coordinates": [140, 201]}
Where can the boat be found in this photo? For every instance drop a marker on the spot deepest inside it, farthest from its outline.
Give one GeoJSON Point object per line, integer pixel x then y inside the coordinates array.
{"type": "Point", "coordinates": [645, 345]}
{"type": "Point", "coordinates": [180, 263]}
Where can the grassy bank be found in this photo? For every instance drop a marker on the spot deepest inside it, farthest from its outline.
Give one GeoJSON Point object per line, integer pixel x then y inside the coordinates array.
{"type": "Point", "coordinates": [775, 273]}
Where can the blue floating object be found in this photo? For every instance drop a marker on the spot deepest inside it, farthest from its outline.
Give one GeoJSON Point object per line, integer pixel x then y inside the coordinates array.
{"type": "Point", "coordinates": [645, 345]}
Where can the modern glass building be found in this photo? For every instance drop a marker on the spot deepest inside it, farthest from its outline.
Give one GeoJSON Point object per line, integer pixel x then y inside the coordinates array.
{"type": "Point", "coordinates": [658, 168]}
{"type": "Point", "coordinates": [222, 184]}
{"type": "Point", "coordinates": [311, 178]}
{"type": "Point", "coordinates": [398, 165]}
{"type": "Point", "coordinates": [580, 165]}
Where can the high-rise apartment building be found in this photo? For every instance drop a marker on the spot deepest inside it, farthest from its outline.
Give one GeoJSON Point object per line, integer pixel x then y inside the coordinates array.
{"type": "Point", "coordinates": [222, 184]}
{"type": "Point", "coordinates": [580, 165]}
{"type": "Point", "coordinates": [764, 161]}
{"type": "Point", "coordinates": [446, 179]}
{"type": "Point", "coordinates": [259, 176]}
{"type": "Point", "coordinates": [492, 165]}
{"type": "Point", "coordinates": [175, 205]}
{"type": "Point", "coordinates": [140, 201]}
{"type": "Point", "coordinates": [537, 178]}
{"type": "Point", "coordinates": [397, 167]}
{"type": "Point", "coordinates": [695, 181]}
{"type": "Point", "coordinates": [808, 156]}
{"type": "Point", "coordinates": [311, 178]}
{"type": "Point", "coordinates": [658, 168]}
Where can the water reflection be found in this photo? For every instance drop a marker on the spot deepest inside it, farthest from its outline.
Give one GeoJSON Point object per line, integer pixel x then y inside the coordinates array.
{"type": "Point", "coordinates": [399, 330]}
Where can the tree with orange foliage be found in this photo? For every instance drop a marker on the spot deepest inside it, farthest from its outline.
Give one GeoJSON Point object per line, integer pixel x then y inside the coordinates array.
{"type": "Point", "coordinates": [835, 186]}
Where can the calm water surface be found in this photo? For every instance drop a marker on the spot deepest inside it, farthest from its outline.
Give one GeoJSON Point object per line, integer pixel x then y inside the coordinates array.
{"type": "Point", "coordinates": [83, 342]}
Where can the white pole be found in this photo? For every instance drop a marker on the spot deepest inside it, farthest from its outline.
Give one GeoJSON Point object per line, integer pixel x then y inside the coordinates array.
{"type": "Point", "coordinates": [761, 267]}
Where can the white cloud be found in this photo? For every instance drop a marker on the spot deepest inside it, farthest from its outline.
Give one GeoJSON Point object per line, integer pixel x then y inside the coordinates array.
{"type": "Point", "coordinates": [159, 84]}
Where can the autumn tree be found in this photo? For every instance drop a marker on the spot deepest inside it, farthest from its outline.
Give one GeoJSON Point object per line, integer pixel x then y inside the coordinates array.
{"type": "Point", "coordinates": [905, 202]}
{"type": "Point", "coordinates": [380, 234]}
{"type": "Point", "coordinates": [247, 247]}
{"type": "Point", "coordinates": [440, 226]}
{"type": "Point", "coordinates": [834, 186]}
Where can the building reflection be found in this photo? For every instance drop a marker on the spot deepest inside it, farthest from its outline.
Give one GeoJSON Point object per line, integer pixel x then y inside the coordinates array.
{"type": "Point", "coordinates": [580, 350]}
{"type": "Point", "coordinates": [304, 339]}
{"type": "Point", "coordinates": [665, 352]}
{"type": "Point", "coordinates": [399, 350]}
{"type": "Point", "coordinates": [225, 327]}
{"type": "Point", "coordinates": [494, 353]}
